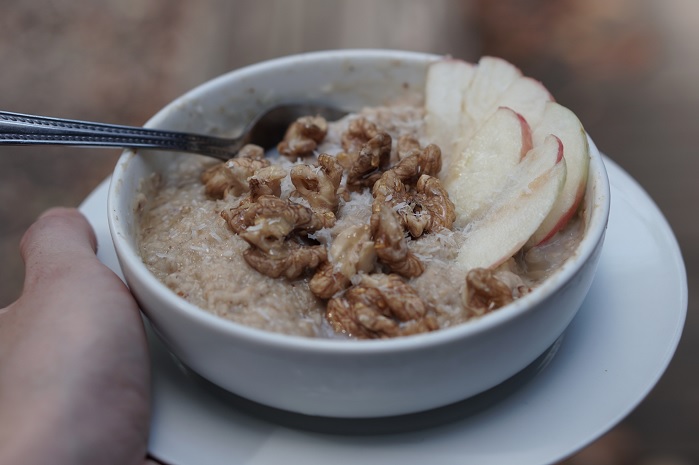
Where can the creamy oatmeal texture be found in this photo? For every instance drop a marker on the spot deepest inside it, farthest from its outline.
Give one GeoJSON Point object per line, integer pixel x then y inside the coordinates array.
{"type": "Point", "coordinates": [348, 233]}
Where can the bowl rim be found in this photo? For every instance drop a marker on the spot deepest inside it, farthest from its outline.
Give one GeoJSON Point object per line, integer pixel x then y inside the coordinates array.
{"type": "Point", "coordinates": [128, 257]}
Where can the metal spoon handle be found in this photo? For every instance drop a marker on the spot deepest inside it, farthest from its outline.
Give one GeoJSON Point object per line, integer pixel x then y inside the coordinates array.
{"type": "Point", "coordinates": [21, 129]}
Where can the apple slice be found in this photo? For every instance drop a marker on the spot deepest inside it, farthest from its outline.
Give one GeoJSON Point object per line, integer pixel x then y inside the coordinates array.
{"type": "Point", "coordinates": [518, 210]}
{"type": "Point", "coordinates": [478, 173]}
{"type": "Point", "coordinates": [445, 86]}
{"type": "Point", "coordinates": [528, 97]}
{"type": "Point", "coordinates": [492, 77]}
{"type": "Point", "coordinates": [460, 96]}
{"type": "Point", "coordinates": [562, 122]}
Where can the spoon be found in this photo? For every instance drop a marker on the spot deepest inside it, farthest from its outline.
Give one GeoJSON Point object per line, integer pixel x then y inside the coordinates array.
{"type": "Point", "coordinates": [267, 129]}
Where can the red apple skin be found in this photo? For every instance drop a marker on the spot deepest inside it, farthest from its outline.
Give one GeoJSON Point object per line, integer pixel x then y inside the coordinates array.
{"type": "Point", "coordinates": [507, 257]}
{"type": "Point", "coordinates": [524, 92]}
{"type": "Point", "coordinates": [562, 222]}
{"type": "Point", "coordinates": [458, 183]}
{"type": "Point", "coordinates": [560, 148]}
{"type": "Point", "coordinates": [566, 217]}
{"type": "Point", "coordinates": [527, 142]}
{"type": "Point", "coordinates": [471, 256]}
{"type": "Point", "coordinates": [562, 122]}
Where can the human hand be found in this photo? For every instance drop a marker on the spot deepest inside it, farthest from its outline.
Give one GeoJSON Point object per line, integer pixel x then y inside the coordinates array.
{"type": "Point", "coordinates": [74, 370]}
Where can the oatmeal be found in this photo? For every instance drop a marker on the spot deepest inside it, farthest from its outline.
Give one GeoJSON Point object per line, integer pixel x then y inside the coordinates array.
{"type": "Point", "coordinates": [347, 233]}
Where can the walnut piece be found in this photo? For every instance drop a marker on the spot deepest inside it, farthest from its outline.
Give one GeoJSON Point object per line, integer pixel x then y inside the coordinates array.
{"type": "Point", "coordinates": [268, 221]}
{"type": "Point", "coordinates": [231, 177]}
{"type": "Point", "coordinates": [413, 191]}
{"type": "Point", "coordinates": [318, 185]}
{"type": "Point", "coordinates": [484, 292]}
{"type": "Point", "coordinates": [351, 251]}
{"type": "Point", "coordinates": [267, 224]}
{"type": "Point", "coordinates": [217, 179]}
{"type": "Point", "coordinates": [423, 209]}
{"type": "Point", "coordinates": [359, 132]}
{"type": "Point", "coordinates": [290, 261]}
{"type": "Point", "coordinates": [407, 145]}
{"type": "Point", "coordinates": [380, 306]}
{"type": "Point", "coordinates": [367, 153]}
{"type": "Point", "coordinates": [326, 282]}
{"type": "Point", "coordinates": [433, 198]}
{"type": "Point", "coordinates": [251, 151]}
{"type": "Point", "coordinates": [367, 165]}
{"type": "Point", "coordinates": [266, 181]}
{"type": "Point", "coordinates": [303, 136]}
{"type": "Point", "coordinates": [509, 274]}
{"type": "Point", "coordinates": [391, 245]}
{"type": "Point", "coordinates": [419, 162]}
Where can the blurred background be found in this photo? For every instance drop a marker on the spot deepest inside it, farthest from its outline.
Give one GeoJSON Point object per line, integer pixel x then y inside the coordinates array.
{"type": "Point", "coordinates": [628, 68]}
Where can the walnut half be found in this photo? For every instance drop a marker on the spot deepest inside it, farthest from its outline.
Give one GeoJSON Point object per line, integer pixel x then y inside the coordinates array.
{"type": "Point", "coordinates": [351, 251]}
{"type": "Point", "coordinates": [484, 292]}
{"type": "Point", "coordinates": [391, 245]}
{"type": "Point", "coordinates": [290, 262]}
{"type": "Point", "coordinates": [367, 153]}
{"type": "Point", "coordinates": [303, 136]}
{"type": "Point", "coordinates": [412, 189]}
{"type": "Point", "coordinates": [423, 208]}
{"type": "Point", "coordinates": [268, 221]}
{"type": "Point", "coordinates": [266, 181]}
{"type": "Point", "coordinates": [267, 224]}
{"type": "Point", "coordinates": [380, 306]}
{"type": "Point", "coordinates": [318, 185]}
{"type": "Point", "coordinates": [231, 177]}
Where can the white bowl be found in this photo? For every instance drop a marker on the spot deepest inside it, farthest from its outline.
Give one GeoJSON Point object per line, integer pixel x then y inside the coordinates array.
{"type": "Point", "coordinates": [341, 378]}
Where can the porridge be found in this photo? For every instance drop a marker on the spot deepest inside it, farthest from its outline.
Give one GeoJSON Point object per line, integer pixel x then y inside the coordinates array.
{"type": "Point", "coordinates": [347, 232]}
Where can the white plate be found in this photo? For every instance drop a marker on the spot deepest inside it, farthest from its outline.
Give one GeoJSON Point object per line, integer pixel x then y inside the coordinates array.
{"type": "Point", "coordinates": [613, 353]}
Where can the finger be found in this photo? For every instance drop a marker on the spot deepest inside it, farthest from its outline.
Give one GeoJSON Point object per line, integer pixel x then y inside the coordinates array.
{"type": "Point", "coordinates": [78, 375]}
{"type": "Point", "coordinates": [58, 240]}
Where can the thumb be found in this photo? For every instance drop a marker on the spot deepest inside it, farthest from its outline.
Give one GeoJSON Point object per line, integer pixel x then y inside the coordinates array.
{"type": "Point", "coordinates": [77, 380]}
{"type": "Point", "coordinates": [58, 241]}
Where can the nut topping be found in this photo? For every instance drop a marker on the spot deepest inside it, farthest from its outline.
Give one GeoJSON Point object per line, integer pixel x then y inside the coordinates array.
{"type": "Point", "coordinates": [380, 306]}
{"type": "Point", "coordinates": [434, 198]}
{"type": "Point", "coordinates": [231, 177]}
{"type": "Point", "coordinates": [290, 261]}
{"type": "Point", "coordinates": [359, 132]}
{"type": "Point", "coordinates": [391, 245]}
{"type": "Point", "coordinates": [364, 167]}
{"type": "Point", "coordinates": [367, 153]}
{"type": "Point", "coordinates": [484, 292]}
{"type": "Point", "coordinates": [267, 224]}
{"type": "Point", "coordinates": [351, 251]}
{"type": "Point", "coordinates": [318, 185]}
{"type": "Point", "coordinates": [268, 221]}
{"type": "Point", "coordinates": [362, 302]}
{"type": "Point", "coordinates": [419, 162]}
{"type": "Point", "coordinates": [251, 151]}
{"type": "Point", "coordinates": [266, 181]}
{"type": "Point", "coordinates": [303, 136]}
{"type": "Point", "coordinates": [407, 145]}
{"type": "Point", "coordinates": [423, 209]}
{"type": "Point", "coordinates": [413, 191]}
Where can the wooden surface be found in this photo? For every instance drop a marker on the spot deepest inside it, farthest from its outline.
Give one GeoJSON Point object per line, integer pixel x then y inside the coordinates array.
{"type": "Point", "coordinates": [628, 69]}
